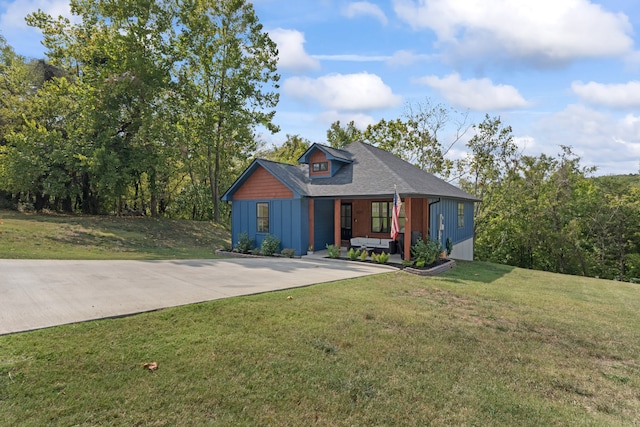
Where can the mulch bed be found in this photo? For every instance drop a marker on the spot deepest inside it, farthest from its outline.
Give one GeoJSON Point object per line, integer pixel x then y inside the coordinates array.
{"type": "Point", "coordinates": [437, 267]}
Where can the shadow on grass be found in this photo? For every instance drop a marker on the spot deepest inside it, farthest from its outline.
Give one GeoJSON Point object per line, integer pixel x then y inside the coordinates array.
{"type": "Point", "coordinates": [287, 265]}
{"type": "Point", "coordinates": [476, 271]}
{"type": "Point", "coordinates": [156, 238]}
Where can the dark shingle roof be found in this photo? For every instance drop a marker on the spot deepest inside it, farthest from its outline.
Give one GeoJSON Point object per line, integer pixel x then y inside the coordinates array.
{"type": "Point", "coordinates": [294, 177]}
{"type": "Point", "coordinates": [375, 172]}
{"type": "Point", "coordinates": [372, 172]}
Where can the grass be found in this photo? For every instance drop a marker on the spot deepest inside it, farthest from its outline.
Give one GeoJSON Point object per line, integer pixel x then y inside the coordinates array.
{"type": "Point", "coordinates": [481, 344]}
{"type": "Point", "coordinates": [36, 236]}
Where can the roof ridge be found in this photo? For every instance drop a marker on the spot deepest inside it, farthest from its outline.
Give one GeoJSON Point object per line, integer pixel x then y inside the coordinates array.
{"type": "Point", "coordinates": [384, 165]}
{"type": "Point", "coordinates": [332, 148]}
{"type": "Point", "coordinates": [262, 159]}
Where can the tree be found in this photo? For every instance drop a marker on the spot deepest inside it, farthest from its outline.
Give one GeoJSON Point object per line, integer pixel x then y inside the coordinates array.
{"type": "Point", "coordinates": [289, 152]}
{"type": "Point", "coordinates": [338, 136]}
{"type": "Point", "coordinates": [426, 123]}
{"type": "Point", "coordinates": [417, 137]}
{"type": "Point", "coordinates": [120, 57]}
{"type": "Point", "coordinates": [226, 68]}
{"type": "Point", "coordinates": [392, 136]}
{"type": "Point", "coordinates": [485, 172]}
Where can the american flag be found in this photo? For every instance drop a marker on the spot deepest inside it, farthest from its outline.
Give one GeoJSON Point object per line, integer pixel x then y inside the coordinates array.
{"type": "Point", "coordinates": [395, 215]}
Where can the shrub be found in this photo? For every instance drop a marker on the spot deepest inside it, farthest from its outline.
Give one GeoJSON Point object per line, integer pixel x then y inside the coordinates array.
{"type": "Point", "coordinates": [245, 244]}
{"type": "Point", "coordinates": [364, 254]}
{"type": "Point", "coordinates": [449, 246]}
{"type": "Point", "coordinates": [420, 263]}
{"type": "Point", "coordinates": [270, 245]}
{"type": "Point", "coordinates": [288, 252]}
{"type": "Point", "coordinates": [426, 251]}
{"type": "Point", "coordinates": [382, 258]}
{"type": "Point", "coordinates": [407, 263]}
{"type": "Point", "coordinates": [353, 255]}
{"type": "Point", "coordinates": [334, 251]}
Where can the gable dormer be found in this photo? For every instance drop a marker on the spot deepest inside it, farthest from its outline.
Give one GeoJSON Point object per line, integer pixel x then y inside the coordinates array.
{"type": "Point", "coordinates": [323, 161]}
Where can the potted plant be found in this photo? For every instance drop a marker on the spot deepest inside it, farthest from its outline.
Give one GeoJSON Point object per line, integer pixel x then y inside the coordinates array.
{"type": "Point", "coordinates": [310, 250]}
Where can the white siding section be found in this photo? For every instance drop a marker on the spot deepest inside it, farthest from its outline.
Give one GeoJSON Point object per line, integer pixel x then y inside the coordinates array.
{"type": "Point", "coordinates": [463, 250]}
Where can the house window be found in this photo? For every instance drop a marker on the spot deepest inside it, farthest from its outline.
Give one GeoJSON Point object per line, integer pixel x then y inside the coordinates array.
{"type": "Point", "coordinates": [320, 166]}
{"type": "Point", "coordinates": [262, 214]}
{"type": "Point", "coordinates": [460, 215]}
{"type": "Point", "coordinates": [381, 217]}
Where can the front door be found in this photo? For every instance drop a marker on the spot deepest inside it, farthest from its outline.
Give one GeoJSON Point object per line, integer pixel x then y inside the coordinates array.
{"type": "Point", "coordinates": [345, 221]}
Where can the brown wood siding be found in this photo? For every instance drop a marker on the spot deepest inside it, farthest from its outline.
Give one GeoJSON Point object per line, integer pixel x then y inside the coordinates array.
{"type": "Point", "coordinates": [360, 218]}
{"type": "Point", "coordinates": [361, 226]}
{"type": "Point", "coordinates": [262, 185]}
{"type": "Point", "coordinates": [317, 157]}
{"type": "Point", "coordinates": [416, 215]}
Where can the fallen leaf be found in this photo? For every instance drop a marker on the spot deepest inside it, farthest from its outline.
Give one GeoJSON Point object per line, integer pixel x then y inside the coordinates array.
{"type": "Point", "coordinates": [152, 366]}
{"type": "Point", "coordinates": [289, 297]}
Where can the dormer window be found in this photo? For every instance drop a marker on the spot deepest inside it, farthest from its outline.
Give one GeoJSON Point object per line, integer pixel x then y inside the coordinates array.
{"type": "Point", "coordinates": [320, 166]}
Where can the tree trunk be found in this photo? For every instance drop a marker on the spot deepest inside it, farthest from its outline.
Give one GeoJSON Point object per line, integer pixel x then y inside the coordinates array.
{"type": "Point", "coordinates": [153, 202]}
{"type": "Point", "coordinates": [212, 188]}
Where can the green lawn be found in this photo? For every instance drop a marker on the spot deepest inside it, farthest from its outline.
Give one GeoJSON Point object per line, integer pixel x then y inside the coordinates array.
{"type": "Point", "coordinates": [36, 236]}
{"type": "Point", "coordinates": [482, 345]}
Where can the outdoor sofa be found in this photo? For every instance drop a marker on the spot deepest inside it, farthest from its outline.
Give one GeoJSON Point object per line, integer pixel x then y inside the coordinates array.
{"type": "Point", "coordinates": [373, 244]}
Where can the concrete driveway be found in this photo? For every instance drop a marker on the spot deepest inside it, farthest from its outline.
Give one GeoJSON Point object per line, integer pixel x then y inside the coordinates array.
{"type": "Point", "coordinates": [41, 293]}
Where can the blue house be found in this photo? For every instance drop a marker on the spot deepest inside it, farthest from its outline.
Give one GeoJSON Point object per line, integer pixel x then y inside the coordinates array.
{"type": "Point", "coordinates": [335, 195]}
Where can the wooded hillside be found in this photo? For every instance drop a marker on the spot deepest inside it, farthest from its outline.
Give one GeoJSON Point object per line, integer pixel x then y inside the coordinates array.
{"type": "Point", "coordinates": [152, 109]}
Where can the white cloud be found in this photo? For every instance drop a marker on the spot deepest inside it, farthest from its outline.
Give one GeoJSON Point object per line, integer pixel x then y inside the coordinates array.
{"type": "Point", "coordinates": [343, 92]}
{"type": "Point", "coordinates": [291, 53]}
{"type": "Point", "coordinates": [352, 58]}
{"type": "Point", "coordinates": [544, 32]}
{"type": "Point", "coordinates": [402, 58]}
{"type": "Point", "coordinates": [625, 95]}
{"type": "Point", "coordinates": [360, 120]}
{"type": "Point", "coordinates": [365, 8]}
{"type": "Point", "coordinates": [14, 15]}
{"type": "Point", "coordinates": [24, 39]}
{"type": "Point", "coordinates": [525, 143]}
{"type": "Point", "coordinates": [475, 94]}
{"type": "Point", "coordinates": [609, 142]}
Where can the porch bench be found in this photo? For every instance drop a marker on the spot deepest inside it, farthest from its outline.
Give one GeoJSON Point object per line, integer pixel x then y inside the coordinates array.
{"type": "Point", "coordinates": [374, 244]}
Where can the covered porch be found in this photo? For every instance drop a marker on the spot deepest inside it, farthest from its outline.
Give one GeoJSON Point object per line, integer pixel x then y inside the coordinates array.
{"type": "Point", "coordinates": [338, 220]}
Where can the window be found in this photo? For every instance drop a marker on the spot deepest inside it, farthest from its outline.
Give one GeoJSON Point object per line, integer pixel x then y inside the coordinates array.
{"type": "Point", "coordinates": [460, 215]}
{"type": "Point", "coordinates": [381, 217]}
{"type": "Point", "coordinates": [320, 166]}
{"type": "Point", "coordinates": [262, 215]}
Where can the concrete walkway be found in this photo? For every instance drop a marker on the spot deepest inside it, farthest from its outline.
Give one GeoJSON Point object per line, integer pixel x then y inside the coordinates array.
{"type": "Point", "coordinates": [41, 293]}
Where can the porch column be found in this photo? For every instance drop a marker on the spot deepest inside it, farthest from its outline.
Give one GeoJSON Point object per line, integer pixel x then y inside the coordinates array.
{"type": "Point", "coordinates": [336, 223]}
{"type": "Point", "coordinates": [407, 228]}
{"type": "Point", "coordinates": [425, 219]}
{"type": "Point", "coordinates": [311, 224]}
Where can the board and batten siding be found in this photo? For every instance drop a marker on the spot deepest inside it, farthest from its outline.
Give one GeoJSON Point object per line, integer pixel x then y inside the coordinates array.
{"type": "Point", "coordinates": [462, 237]}
{"type": "Point", "coordinates": [262, 185]}
{"type": "Point", "coordinates": [288, 220]}
{"type": "Point", "coordinates": [324, 225]}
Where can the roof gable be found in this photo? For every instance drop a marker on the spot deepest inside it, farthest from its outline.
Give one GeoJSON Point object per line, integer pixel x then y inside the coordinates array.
{"type": "Point", "coordinates": [330, 153]}
{"type": "Point", "coordinates": [291, 177]}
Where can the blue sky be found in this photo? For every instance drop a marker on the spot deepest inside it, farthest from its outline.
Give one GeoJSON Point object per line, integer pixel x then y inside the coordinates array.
{"type": "Point", "coordinates": [560, 72]}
